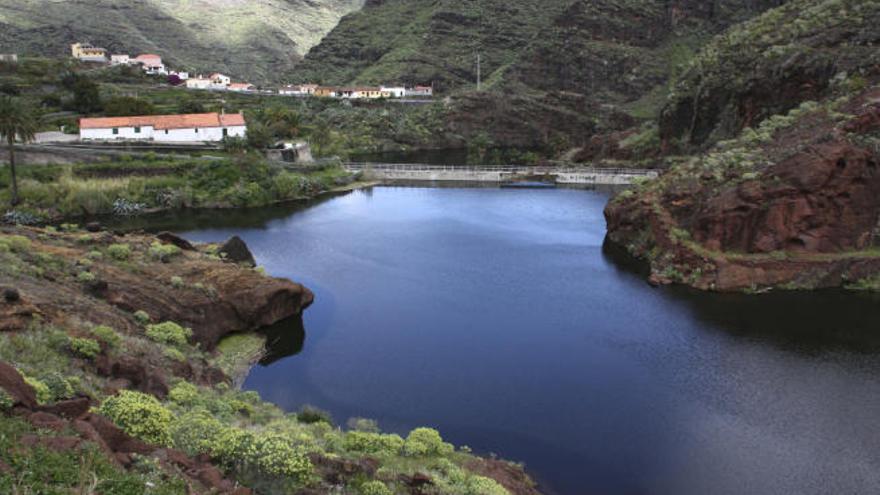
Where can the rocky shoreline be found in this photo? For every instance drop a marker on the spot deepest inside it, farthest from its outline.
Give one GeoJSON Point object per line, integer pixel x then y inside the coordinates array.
{"type": "Point", "coordinates": [113, 302]}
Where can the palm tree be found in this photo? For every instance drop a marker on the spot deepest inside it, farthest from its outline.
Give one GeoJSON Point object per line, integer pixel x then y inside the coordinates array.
{"type": "Point", "coordinates": [16, 120]}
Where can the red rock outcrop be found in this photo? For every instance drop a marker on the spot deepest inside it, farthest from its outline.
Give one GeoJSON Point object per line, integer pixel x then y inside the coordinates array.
{"type": "Point", "coordinates": [808, 219]}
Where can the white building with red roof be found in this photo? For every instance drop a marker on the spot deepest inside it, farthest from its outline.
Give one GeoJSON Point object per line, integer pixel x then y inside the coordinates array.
{"type": "Point", "coordinates": [188, 128]}
{"type": "Point", "coordinates": [152, 63]}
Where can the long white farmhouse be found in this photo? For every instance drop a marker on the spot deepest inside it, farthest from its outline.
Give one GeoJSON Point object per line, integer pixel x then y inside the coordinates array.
{"type": "Point", "coordinates": [189, 128]}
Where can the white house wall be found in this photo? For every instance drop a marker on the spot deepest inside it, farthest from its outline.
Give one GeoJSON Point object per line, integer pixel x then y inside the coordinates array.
{"type": "Point", "coordinates": [170, 135]}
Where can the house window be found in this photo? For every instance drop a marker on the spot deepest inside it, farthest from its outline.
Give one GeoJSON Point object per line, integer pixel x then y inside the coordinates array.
{"type": "Point", "coordinates": [166, 131]}
{"type": "Point", "coordinates": [197, 130]}
{"type": "Point", "coordinates": [225, 132]}
{"type": "Point", "coordinates": [137, 130]}
{"type": "Point", "coordinates": [115, 131]}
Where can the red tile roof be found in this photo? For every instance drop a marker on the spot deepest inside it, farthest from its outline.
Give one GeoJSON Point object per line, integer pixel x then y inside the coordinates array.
{"type": "Point", "coordinates": [160, 122]}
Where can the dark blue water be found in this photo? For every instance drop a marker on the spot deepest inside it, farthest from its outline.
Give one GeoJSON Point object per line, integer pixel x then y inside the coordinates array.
{"type": "Point", "coordinates": [498, 317]}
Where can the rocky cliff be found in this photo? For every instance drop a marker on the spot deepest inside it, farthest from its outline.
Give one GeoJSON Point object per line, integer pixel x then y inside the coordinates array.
{"type": "Point", "coordinates": [794, 203]}
{"type": "Point", "coordinates": [768, 66]}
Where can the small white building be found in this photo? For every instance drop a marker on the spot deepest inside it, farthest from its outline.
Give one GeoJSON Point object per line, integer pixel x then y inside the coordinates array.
{"type": "Point", "coordinates": [199, 83]}
{"type": "Point", "coordinates": [188, 128]}
{"type": "Point", "coordinates": [241, 87]}
{"type": "Point", "coordinates": [394, 91]}
{"type": "Point", "coordinates": [120, 59]}
{"type": "Point", "coordinates": [220, 79]}
{"type": "Point", "coordinates": [152, 64]}
{"type": "Point", "coordinates": [298, 90]}
{"type": "Point", "coordinates": [9, 58]}
{"type": "Point", "coordinates": [420, 91]}
{"type": "Point", "coordinates": [183, 76]}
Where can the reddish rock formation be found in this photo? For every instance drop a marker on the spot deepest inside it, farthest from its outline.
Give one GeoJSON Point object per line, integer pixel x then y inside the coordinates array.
{"type": "Point", "coordinates": [825, 199]}
{"type": "Point", "coordinates": [232, 299]}
{"type": "Point", "coordinates": [808, 219]}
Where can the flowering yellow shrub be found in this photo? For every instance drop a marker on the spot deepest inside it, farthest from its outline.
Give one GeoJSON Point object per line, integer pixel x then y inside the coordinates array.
{"type": "Point", "coordinates": [140, 415]}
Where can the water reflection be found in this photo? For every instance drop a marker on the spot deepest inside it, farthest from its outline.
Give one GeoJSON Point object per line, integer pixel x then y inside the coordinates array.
{"type": "Point", "coordinates": [283, 339]}
{"type": "Point", "coordinates": [809, 322]}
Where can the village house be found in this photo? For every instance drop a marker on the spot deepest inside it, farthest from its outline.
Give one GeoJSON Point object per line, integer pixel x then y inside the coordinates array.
{"type": "Point", "coordinates": [325, 92]}
{"type": "Point", "coordinates": [420, 91]}
{"type": "Point", "coordinates": [183, 76]}
{"type": "Point", "coordinates": [220, 79]}
{"type": "Point", "coordinates": [241, 87]}
{"type": "Point", "coordinates": [298, 90]}
{"type": "Point", "coordinates": [9, 58]}
{"type": "Point", "coordinates": [86, 52]}
{"type": "Point", "coordinates": [189, 128]}
{"type": "Point", "coordinates": [199, 83]}
{"type": "Point", "coordinates": [394, 91]}
{"type": "Point", "coordinates": [151, 63]}
{"type": "Point", "coordinates": [120, 59]}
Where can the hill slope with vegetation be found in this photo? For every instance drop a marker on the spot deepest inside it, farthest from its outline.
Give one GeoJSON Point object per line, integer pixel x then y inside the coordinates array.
{"type": "Point", "coordinates": [252, 39]}
{"type": "Point", "coordinates": [552, 71]}
{"type": "Point", "coordinates": [786, 194]}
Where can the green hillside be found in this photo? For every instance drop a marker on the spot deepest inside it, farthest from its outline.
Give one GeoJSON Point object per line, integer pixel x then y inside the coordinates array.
{"type": "Point", "coordinates": [576, 66]}
{"type": "Point", "coordinates": [253, 39]}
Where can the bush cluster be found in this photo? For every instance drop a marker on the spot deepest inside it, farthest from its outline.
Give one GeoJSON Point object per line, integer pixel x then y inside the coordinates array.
{"type": "Point", "coordinates": [423, 442]}
{"type": "Point", "coordinates": [373, 443]}
{"type": "Point", "coordinates": [140, 415]}
{"type": "Point", "coordinates": [169, 333]}
{"type": "Point", "coordinates": [83, 347]}
{"type": "Point", "coordinates": [163, 252]}
{"type": "Point", "coordinates": [107, 335]}
{"type": "Point", "coordinates": [119, 252]}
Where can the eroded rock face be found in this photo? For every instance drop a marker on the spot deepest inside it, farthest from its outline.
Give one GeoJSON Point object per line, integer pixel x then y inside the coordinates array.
{"type": "Point", "coordinates": [824, 199]}
{"type": "Point", "coordinates": [216, 298]}
{"type": "Point", "coordinates": [808, 217]}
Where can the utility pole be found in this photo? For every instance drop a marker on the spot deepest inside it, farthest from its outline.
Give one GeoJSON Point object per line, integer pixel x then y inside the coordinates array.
{"type": "Point", "coordinates": [479, 73]}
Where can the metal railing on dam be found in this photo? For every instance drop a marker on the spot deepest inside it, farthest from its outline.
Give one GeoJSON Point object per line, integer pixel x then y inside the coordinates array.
{"type": "Point", "coordinates": [498, 173]}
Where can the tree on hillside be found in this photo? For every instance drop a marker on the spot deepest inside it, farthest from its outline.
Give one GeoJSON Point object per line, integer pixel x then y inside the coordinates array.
{"type": "Point", "coordinates": [16, 120]}
{"type": "Point", "coordinates": [86, 94]}
{"type": "Point", "coordinates": [126, 106]}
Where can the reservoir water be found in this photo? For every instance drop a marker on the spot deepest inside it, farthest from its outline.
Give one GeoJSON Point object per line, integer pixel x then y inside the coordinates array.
{"type": "Point", "coordinates": [499, 317]}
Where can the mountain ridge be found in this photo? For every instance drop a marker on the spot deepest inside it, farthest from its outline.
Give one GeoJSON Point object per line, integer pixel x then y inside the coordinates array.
{"type": "Point", "coordinates": [256, 40]}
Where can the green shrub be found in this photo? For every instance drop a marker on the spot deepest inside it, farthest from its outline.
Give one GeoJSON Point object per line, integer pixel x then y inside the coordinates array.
{"type": "Point", "coordinates": [168, 333]}
{"type": "Point", "coordinates": [85, 277]}
{"type": "Point", "coordinates": [163, 252]}
{"type": "Point", "coordinates": [177, 282]}
{"type": "Point", "coordinates": [184, 393]}
{"type": "Point", "coordinates": [174, 354]}
{"type": "Point", "coordinates": [119, 252]}
{"type": "Point", "coordinates": [142, 317]}
{"type": "Point", "coordinates": [140, 415]}
{"type": "Point", "coordinates": [310, 414]}
{"type": "Point", "coordinates": [43, 392]}
{"type": "Point", "coordinates": [94, 255]}
{"type": "Point", "coordinates": [6, 401]}
{"type": "Point", "coordinates": [61, 387]}
{"type": "Point", "coordinates": [107, 335]}
{"type": "Point", "coordinates": [86, 348]}
{"type": "Point", "coordinates": [373, 443]}
{"type": "Point", "coordinates": [15, 243]}
{"type": "Point", "coordinates": [196, 433]}
{"type": "Point", "coordinates": [274, 455]}
{"type": "Point", "coordinates": [423, 442]}
{"type": "Point", "coordinates": [374, 487]}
